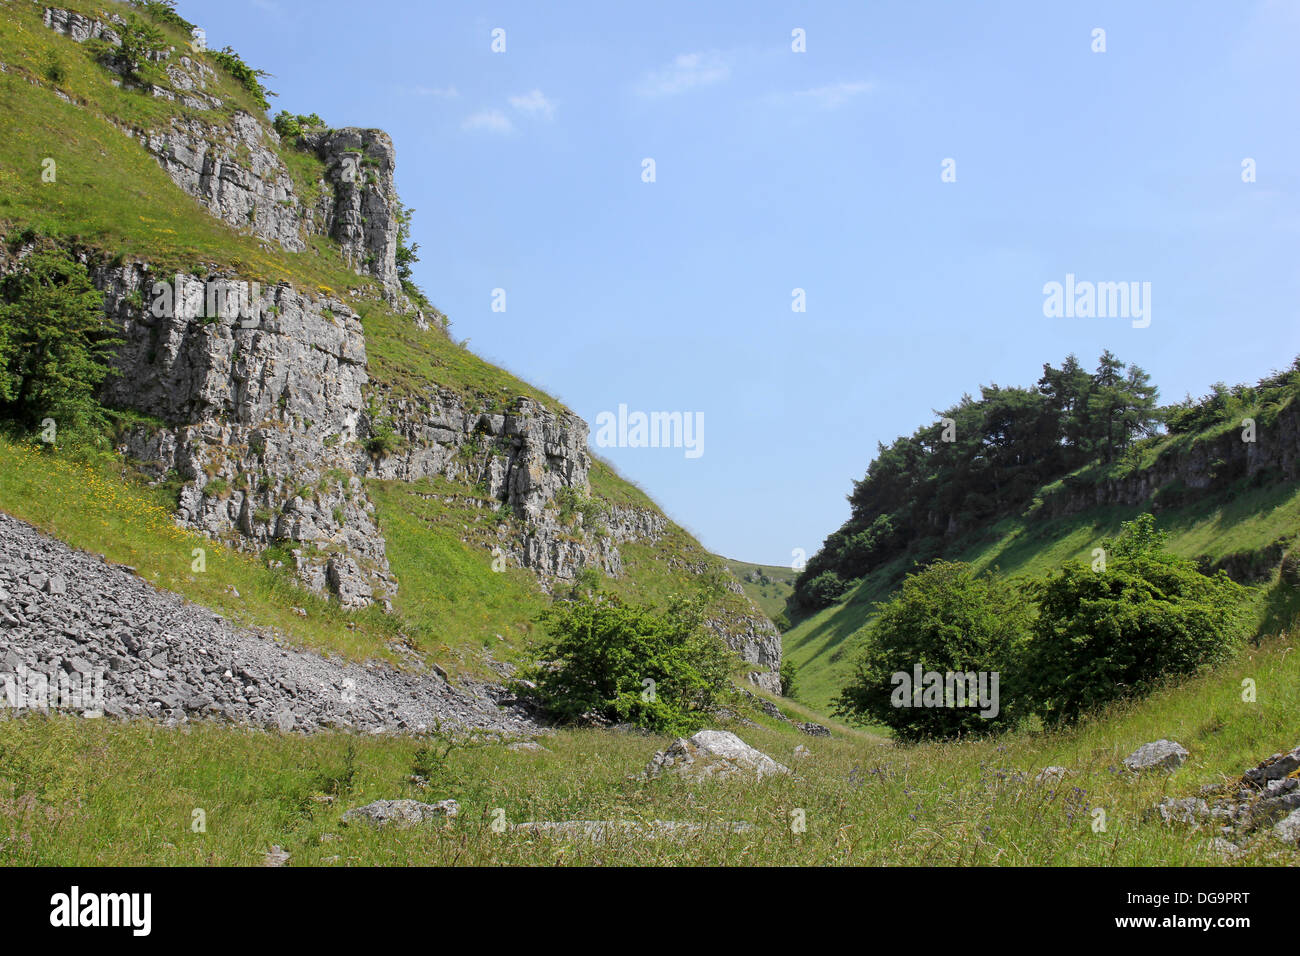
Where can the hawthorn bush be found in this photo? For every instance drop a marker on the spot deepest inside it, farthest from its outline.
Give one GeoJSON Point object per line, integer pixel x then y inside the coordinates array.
{"type": "Point", "coordinates": [629, 662]}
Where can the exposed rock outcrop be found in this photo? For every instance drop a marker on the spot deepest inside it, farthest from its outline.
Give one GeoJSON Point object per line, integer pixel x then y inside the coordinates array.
{"type": "Point", "coordinates": [401, 813]}
{"type": "Point", "coordinates": [1158, 755]}
{"type": "Point", "coordinates": [263, 417]}
{"type": "Point", "coordinates": [362, 211]}
{"type": "Point", "coordinates": [1205, 466]}
{"type": "Point", "coordinates": [1265, 800]}
{"type": "Point", "coordinates": [713, 755]}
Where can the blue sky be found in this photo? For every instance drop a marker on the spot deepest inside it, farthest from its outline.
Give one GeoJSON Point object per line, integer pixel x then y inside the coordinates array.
{"type": "Point", "coordinates": [821, 170]}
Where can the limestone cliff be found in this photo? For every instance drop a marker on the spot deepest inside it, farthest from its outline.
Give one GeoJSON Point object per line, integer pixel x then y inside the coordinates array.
{"type": "Point", "coordinates": [259, 400]}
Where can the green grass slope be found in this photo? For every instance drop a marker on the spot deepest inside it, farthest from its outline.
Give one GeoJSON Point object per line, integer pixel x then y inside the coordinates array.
{"type": "Point", "coordinates": [768, 586]}
{"type": "Point", "coordinates": [1242, 518]}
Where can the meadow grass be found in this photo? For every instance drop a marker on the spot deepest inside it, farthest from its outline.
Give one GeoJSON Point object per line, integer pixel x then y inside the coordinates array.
{"type": "Point", "coordinates": [94, 792]}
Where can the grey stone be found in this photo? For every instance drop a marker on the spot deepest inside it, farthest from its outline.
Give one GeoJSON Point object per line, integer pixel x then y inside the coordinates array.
{"type": "Point", "coordinates": [275, 857]}
{"type": "Point", "coordinates": [713, 754]}
{"type": "Point", "coordinates": [1287, 830]}
{"type": "Point", "coordinates": [1158, 755]}
{"type": "Point", "coordinates": [401, 813]}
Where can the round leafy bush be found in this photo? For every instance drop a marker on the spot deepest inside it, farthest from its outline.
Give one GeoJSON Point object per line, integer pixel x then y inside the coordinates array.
{"type": "Point", "coordinates": [949, 619]}
{"type": "Point", "coordinates": [629, 662]}
{"type": "Point", "coordinates": [826, 588]}
{"type": "Point", "coordinates": [1110, 633]}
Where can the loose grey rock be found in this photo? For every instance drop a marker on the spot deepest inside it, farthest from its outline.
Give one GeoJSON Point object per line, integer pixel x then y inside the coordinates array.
{"type": "Point", "coordinates": [527, 745]}
{"type": "Point", "coordinates": [713, 754]}
{"type": "Point", "coordinates": [1276, 767]}
{"type": "Point", "coordinates": [401, 813]}
{"type": "Point", "coordinates": [275, 857]}
{"type": "Point", "coordinates": [1288, 829]}
{"type": "Point", "coordinates": [1190, 810]}
{"type": "Point", "coordinates": [167, 659]}
{"type": "Point", "coordinates": [1051, 775]}
{"type": "Point", "coordinates": [1158, 755]}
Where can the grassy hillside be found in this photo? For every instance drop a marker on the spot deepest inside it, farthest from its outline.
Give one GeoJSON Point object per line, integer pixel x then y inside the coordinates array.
{"type": "Point", "coordinates": [112, 200]}
{"type": "Point", "coordinates": [1240, 519]}
{"type": "Point", "coordinates": [99, 792]}
{"type": "Point", "coordinates": [768, 586]}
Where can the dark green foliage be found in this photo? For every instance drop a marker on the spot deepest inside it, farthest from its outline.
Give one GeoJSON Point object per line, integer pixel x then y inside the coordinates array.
{"type": "Point", "coordinates": [54, 71]}
{"type": "Point", "coordinates": [988, 459]}
{"type": "Point", "coordinates": [826, 588]}
{"type": "Point", "coordinates": [1106, 634]}
{"type": "Point", "coordinates": [289, 125]}
{"type": "Point", "coordinates": [248, 77]}
{"type": "Point", "coordinates": [946, 617]}
{"type": "Point", "coordinates": [408, 256]}
{"type": "Point", "coordinates": [384, 438]}
{"type": "Point", "coordinates": [789, 679]}
{"type": "Point", "coordinates": [136, 59]}
{"type": "Point", "coordinates": [55, 343]}
{"type": "Point", "coordinates": [630, 662]}
{"type": "Point", "coordinates": [163, 11]}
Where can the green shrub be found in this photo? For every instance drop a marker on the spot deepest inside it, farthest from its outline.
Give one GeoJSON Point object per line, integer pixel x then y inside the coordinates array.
{"type": "Point", "coordinates": [1106, 634]}
{"type": "Point", "coordinates": [789, 674]}
{"type": "Point", "coordinates": [383, 440]}
{"type": "Point", "coordinates": [164, 11]}
{"type": "Point", "coordinates": [248, 77]}
{"type": "Point", "coordinates": [826, 588]}
{"type": "Point", "coordinates": [946, 618]}
{"type": "Point", "coordinates": [629, 662]}
{"type": "Point", "coordinates": [55, 343]}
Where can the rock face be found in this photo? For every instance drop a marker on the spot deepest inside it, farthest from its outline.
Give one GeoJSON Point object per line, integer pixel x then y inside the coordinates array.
{"type": "Point", "coordinates": [1159, 755]}
{"type": "Point", "coordinates": [263, 418]}
{"type": "Point", "coordinates": [232, 167]}
{"type": "Point", "coordinates": [713, 755]}
{"type": "Point", "coordinates": [1204, 466]}
{"type": "Point", "coordinates": [81, 28]}
{"type": "Point", "coordinates": [233, 171]}
{"type": "Point", "coordinates": [401, 813]}
{"type": "Point", "coordinates": [65, 612]}
{"type": "Point", "coordinates": [262, 396]}
{"type": "Point", "coordinates": [1287, 830]}
{"type": "Point", "coordinates": [1265, 799]}
{"type": "Point", "coordinates": [362, 213]}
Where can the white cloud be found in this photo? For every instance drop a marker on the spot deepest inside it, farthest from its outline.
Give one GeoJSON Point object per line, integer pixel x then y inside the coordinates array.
{"type": "Point", "coordinates": [534, 103]}
{"type": "Point", "coordinates": [439, 92]}
{"type": "Point", "coordinates": [494, 121]}
{"type": "Point", "coordinates": [687, 71]}
{"type": "Point", "coordinates": [829, 97]}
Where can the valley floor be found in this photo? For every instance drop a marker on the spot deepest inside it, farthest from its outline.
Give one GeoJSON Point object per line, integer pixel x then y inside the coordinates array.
{"type": "Point", "coordinates": [78, 791]}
